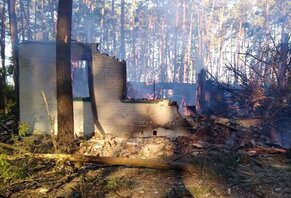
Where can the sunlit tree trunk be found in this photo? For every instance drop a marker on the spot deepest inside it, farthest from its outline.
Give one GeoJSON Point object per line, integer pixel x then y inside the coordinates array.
{"type": "Point", "coordinates": [122, 33]}
{"type": "Point", "coordinates": [88, 28]}
{"type": "Point", "coordinates": [219, 46]}
{"type": "Point", "coordinates": [183, 73]}
{"type": "Point", "coordinates": [113, 26]}
{"type": "Point", "coordinates": [176, 43]}
{"type": "Point", "coordinates": [184, 16]}
{"type": "Point", "coordinates": [282, 73]}
{"type": "Point", "coordinates": [102, 31]}
{"type": "Point", "coordinates": [35, 20]}
{"type": "Point", "coordinates": [199, 54]}
{"type": "Point", "coordinates": [206, 43]}
{"type": "Point", "coordinates": [52, 18]}
{"type": "Point", "coordinates": [231, 47]}
{"type": "Point", "coordinates": [284, 5]}
{"type": "Point", "coordinates": [189, 53]}
{"type": "Point", "coordinates": [63, 68]}
{"type": "Point", "coordinates": [162, 54]}
{"type": "Point", "coordinates": [236, 61]}
{"type": "Point", "coordinates": [14, 43]}
{"type": "Point", "coordinates": [133, 41]}
{"type": "Point", "coordinates": [267, 17]}
{"type": "Point", "coordinates": [153, 55]}
{"type": "Point", "coordinates": [27, 25]}
{"type": "Point", "coordinates": [138, 56]}
{"type": "Point", "coordinates": [147, 56]}
{"type": "Point", "coordinates": [168, 60]}
{"type": "Point", "coordinates": [22, 18]}
{"type": "Point", "coordinates": [42, 21]}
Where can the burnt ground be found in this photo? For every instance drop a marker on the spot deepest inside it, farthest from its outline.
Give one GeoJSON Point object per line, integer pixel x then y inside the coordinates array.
{"type": "Point", "coordinates": [222, 172]}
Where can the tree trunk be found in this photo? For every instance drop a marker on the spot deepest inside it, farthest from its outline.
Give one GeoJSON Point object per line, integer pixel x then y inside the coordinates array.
{"type": "Point", "coordinates": [184, 48]}
{"type": "Point", "coordinates": [122, 33]}
{"type": "Point", "coordinates": [42, 21]}
{"type": "Point", "coordinates": [64, 83]}
{"type": "Point", "coordinates": [29, 34]}
{"type": "Point", "coordinates": [102, 43]}
{"type": "Point", "coordinates": [176, 42]}
{"type": "Point", "coordinates": [3, 97]}
{"type": "Point", "coordinates": [133, 42]}
{"type": "Point", "coordinates": [14, 43]}
{"type": "Point", "coordinates": [22, 16]}
{"type": "Point", "coordinates": [162, 54]}
{"type": "Point", "coordinates": [113, 26]}
{"type": "Point", "coordinates": [51, 3]}
{"type": "Point", "coordinates": [118, 161]}
{"type": "Point", "coordinates": [35, 21]}
{"type": "Point", "coordinates": [219, 59]}
{"type": "Point", "coordinates": [189, 48]}
{"type": "Point", "coordinates": [282, 78]}
{"type": "Point", "coordinates": [200, 93]}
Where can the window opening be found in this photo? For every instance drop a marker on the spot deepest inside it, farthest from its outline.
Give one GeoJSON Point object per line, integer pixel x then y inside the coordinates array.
{"type": "Point", "coordinates": [80, 82]}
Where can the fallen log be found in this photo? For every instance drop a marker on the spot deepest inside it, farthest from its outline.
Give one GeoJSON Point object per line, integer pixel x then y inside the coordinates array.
{"type": "Point", "coordinates": [244, 123]}
{"type": "Point", "coordinates": [136, 162]}
{"type": "Point", "coordinates": [265, 150]}
{"type": "Point", "coordinates": [15, 148]}
{"type": "Point", "coordinates": [114, 161]}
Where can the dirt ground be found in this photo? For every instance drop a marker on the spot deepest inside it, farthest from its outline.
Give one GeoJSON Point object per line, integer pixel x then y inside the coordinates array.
{"type": "Point", "coordinates": [222, 173]}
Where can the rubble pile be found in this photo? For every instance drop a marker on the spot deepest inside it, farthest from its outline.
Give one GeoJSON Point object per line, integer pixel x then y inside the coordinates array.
{"type": "Point", "coordinates": [146, 148]}
{"type": "Point", "coordinates": [219, 134]}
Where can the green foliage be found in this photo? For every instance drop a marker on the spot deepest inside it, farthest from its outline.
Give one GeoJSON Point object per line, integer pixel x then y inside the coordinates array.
{"type": "Point", "coordinates": [2, 115]}
{"type": "Point", "coordinates": [111, 184]}
{"type": "Point", "coordinates": [11, 105]}
{"type": "Point", "coordinates": [23, 129]}
{"type": "Point", "coordinates": [241, 22]}
{"type": "Point", "coordinates": [11, 171]}
{"type": "Point", "coordinates": [4, 168]}
{"type": "Point", "coordinates": [200, 191]}
{"type": "Point", "coordinates": [9, 68]}
{"type": "Point", "coordinates": [114, 184]}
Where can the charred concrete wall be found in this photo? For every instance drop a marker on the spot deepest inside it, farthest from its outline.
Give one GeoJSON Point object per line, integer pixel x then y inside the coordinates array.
{"type": "Point", "coordinates": [126, 117]}
{"type": "Point", "coordinates": [37, 75]}
{"type": "Point", "coordinates": [116, 116]}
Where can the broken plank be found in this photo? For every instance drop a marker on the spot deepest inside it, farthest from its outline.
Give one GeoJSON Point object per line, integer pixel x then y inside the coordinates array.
{"type": "Point", "coordinates": [244, 123]}
{"type": "Point", "coordinates": [266, 150]}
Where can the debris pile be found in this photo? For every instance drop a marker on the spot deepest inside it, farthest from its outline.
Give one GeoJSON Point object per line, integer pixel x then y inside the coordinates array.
{"type": "Point", "coordinates": [8, 128]}
{"type": "Point", "coordinates": [111, 146]}
{"type": "Point", "coordinates": [246, 136]}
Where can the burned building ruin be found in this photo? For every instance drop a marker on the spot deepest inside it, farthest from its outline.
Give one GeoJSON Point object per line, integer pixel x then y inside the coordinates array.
{"type": "Point", "coordinates": [106, 77]}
